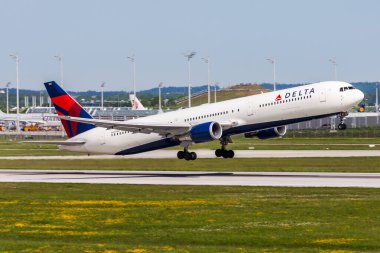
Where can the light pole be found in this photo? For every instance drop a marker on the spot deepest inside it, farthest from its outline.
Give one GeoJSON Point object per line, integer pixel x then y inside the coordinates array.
{"type": "Point", "coordinates": [133, 60]}
{"type": "Point", "coordinates": [159, 97]}
{"type": "Point", "coordinates": [273, 61]}
{"type": "Point", "coordinates": [335, 64]}
{"type": "Point", "coordinates": [189, 55]}
{"type": "Point", "coordinates": [60, 59]}
{"type": "Point", "coordinates": [377, 98]}
{"type": "Point", "coordinates": [15, 57]}
{"type": "Point", "coordinates": [207, 61]}
{"type": "Point", "coordinates": [102, 101]}
{"type": "Point", "coordinates": [377, 103]}
{"type": "Point", "coordinates": [216, 84]}
{"type": "Point", "coordinates": [7, 86]}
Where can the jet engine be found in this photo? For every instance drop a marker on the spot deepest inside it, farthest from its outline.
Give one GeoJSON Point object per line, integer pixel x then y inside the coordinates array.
{"type": "Point", "coordinates": [267, 133]}
{"type": "Point", "coordinates": [206, 132]}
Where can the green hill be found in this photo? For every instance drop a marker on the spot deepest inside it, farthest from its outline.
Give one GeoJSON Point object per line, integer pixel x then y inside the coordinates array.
{"type": "Point", "coordinates": [236, 91]}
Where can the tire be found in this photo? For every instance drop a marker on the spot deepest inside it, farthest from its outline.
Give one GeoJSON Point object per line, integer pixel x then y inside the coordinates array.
{"type": "Point", "coordinates": [225, 154]}
{"type": "Point", "coordinates": [180, 155]}
{"type": "Point", "coordinates": [342, 126]}
{"type": "Point", "coordinates": [193, 155]}
{"type": "Point", "coordinates": [230, 153]}
{"type": "Point", "coordinates": [187, 156]}
{"type": "Point", "coordinates": [218, 152]}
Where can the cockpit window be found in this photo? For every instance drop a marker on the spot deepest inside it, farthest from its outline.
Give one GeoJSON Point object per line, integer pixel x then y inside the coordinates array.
{"type": "Point", "coordinates": [346, 88]}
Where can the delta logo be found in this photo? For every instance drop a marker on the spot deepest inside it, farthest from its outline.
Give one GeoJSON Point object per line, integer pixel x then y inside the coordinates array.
{"type": "Point", "coordinates": [295, 94]}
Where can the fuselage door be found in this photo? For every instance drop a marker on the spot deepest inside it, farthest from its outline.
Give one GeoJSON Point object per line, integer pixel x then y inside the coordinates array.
{"type": "Point", "coordinates": [322, 95]}
{"type": "Point", "coordinates": [251, 110]}
{"type": "Point", "coordinates": [102, 136]}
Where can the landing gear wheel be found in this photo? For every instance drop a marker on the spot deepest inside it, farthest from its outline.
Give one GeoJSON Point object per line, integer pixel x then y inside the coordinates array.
{"type": "Point", "coordinates": [230, 154]}
{"type": "Point", "coordinates": [218, 152]}
{"type": "Point", "coordinates": [188, 156]}
{"type": "Point", "coordinates": [223, 152]}
{"type": "Point", "coordinates": [180, 155]}
{"type": "Point", "coordinates": [193, 155]}
{"type": "Point", "coordinates": [342, 126]}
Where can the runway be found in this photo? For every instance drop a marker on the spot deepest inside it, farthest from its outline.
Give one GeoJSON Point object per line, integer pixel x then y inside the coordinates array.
{"type": "Point", "coordinates": [204, 153]}
{"type": "Point", "coordinates": [283, 179]}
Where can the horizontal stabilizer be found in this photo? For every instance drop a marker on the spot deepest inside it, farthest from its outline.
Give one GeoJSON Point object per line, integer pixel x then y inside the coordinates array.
{"type": "Point", "coordinates": [63, 143]}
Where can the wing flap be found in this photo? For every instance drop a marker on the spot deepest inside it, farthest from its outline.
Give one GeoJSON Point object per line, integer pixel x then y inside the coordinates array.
{"type": "Point", "coordinates": [146, 127]}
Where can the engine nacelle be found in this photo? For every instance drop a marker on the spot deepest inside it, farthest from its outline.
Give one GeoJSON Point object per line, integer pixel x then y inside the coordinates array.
{"type": "Point", "coordinates": [206, 132]}
{"type": "Point", "coordinates": [267, 133]}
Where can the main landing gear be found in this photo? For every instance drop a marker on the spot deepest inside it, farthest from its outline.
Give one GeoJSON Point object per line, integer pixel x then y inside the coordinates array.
{"type": "Point", "coordinates": [223, 152]}
{"type": "Point", "coordinates": [342, 125]}
{"type": "Point", "coordinates": [185, 154]}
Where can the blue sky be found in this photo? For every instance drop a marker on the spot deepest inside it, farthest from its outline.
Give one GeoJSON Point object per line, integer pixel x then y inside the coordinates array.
{"type": "Point", "coordinates": [95, 37]}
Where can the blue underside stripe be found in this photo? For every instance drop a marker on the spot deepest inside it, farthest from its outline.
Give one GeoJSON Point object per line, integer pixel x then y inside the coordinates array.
{"type": "Point", "coordinates": [265, 125]}
{"type": "Point", "coordinates": [165, 143]}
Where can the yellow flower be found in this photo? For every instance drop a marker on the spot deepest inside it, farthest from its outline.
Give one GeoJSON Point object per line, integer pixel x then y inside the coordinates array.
{"type": "Point", "coordinates": [335, 241]}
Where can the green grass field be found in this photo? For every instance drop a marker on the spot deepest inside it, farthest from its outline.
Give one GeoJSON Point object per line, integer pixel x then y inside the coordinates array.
{"type": "Point", "coordinates": [319, 164]}
{"type": "Point", "coordinates": [146, 218]}
{"type": "Point", "coordinates": [129, 218]}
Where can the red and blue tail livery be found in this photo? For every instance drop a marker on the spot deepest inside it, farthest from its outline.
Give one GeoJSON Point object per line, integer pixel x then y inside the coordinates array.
{"type": "Point", "coordinates": [65, 105]}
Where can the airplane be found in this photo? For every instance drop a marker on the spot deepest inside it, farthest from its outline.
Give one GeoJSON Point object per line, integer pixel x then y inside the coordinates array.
{"type": "Point", "coordinates": [263, 116]}
{"type": "Point", "coordinates": [136, 104]}
{"type": "Point", "coordinates": [45, 119]}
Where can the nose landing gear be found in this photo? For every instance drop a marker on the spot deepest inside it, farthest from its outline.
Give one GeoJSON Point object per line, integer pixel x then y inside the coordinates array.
{"type": "Point", "coordinates": [223, 152]}
{"type": "Point", "coordinates": [342, 125]}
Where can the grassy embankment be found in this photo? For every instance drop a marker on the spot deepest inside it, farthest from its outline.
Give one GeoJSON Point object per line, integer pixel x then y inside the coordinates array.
{"type": "Point", "coordinates": [322, 164]}
{"type": "Point", "coordinates": [236, 91]}
{"type": "Point", "coordinates": [128, 218]}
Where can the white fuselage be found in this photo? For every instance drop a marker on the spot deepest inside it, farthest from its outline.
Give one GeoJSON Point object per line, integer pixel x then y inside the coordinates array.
{"type": "Point", "coordinates": [247, 114]}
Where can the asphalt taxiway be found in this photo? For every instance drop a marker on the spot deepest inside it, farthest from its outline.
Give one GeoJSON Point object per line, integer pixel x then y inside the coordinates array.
{"type": "Point", "coordinates": [203, 153]}
{"type": "Point", "coordinates": [282, 179]}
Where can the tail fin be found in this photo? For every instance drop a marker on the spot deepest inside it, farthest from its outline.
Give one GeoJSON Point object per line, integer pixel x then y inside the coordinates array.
{"type": "Point", "coordinates": [65, 105]}
{"type": "Point", "coordinates": [136, 104]}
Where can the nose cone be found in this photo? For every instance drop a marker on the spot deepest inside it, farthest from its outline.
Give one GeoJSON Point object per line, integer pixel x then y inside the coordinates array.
{"type": "Point", "coordinates": [359, 96]}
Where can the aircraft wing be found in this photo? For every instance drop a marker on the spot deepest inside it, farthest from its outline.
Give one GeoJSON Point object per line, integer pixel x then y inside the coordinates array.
{"type": "Point", "coordinates": [147, 128]}
{"type": "Point", "coordinates": [63, 143]}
